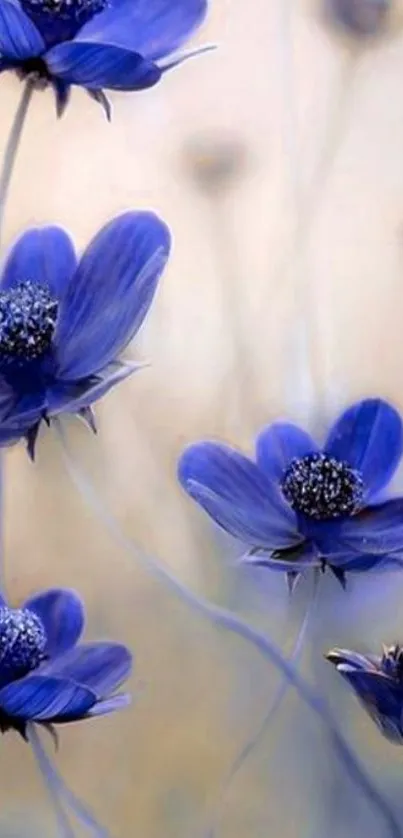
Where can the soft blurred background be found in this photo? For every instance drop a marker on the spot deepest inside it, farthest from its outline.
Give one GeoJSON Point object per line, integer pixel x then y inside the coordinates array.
{"type": "Point", "coordinates": [259, 315]}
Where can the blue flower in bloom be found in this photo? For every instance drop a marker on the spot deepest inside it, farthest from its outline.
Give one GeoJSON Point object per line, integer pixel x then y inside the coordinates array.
{"type": "Point", "coordinates": [96, 44]}
{"type": "Point", "coordinates": [298, 505]}
{"type": "Point", "coordinates": [378, 683]}
{"type": "Point", "coordinates": [64, 323]}
{"type": "Point", "coordinates": [45, 677]}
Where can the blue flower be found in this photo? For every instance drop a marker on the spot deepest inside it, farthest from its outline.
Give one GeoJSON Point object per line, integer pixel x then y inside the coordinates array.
{"type": "Point", "coordinates": [96, 44]}
{"type": "Point", "coordinates": [63, 324]}
{"type": "Point", "coordinates": [298, 505]}
{"type": "Point", "coordinates": [378, 683]}
{"type": "Point", "coordinates": [45, 677]}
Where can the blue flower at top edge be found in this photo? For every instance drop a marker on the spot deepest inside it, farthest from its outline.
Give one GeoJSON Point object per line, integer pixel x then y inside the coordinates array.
{"type": "Point", "coordinates": [64, 323]}
{"type": "Point", "coordinates": [297, 505]}
{"type": "Point", "coordinates": [95, 44]}
{"type": "Point", "coordinates": [46, 675]}
{"type": "Point", "coordinates": [378, 684]}
{"type": "Point", "coordinates": [361, 18]}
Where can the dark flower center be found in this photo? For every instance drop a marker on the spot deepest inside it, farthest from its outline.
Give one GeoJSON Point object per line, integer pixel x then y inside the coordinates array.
{"type": "Point", "coordinates": [322, 487]}
{"type": "Point", "coordinates": [28, 315]}
{"type": "Point", "coordinates": [22, 643]}
{"type": "Point", "coordinates": [79, 11]}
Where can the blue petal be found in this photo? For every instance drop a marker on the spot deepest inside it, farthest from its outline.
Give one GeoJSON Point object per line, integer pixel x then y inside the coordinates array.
{"type": "Point", "coordinates": [101, 65]}
{"type": "Point", "coordinates": [353, 659]}
{"type": "Point", "coordinates": [154, 29]}
{"type": "Point", "coordinates": [40, 698]}
{"type": "Point", "coordinates": [112, 291]}
{"type": "Point", "coordinates": [62, 614]}
{"type": "Point", "coordinates": [19, 38]}
{"type": "Point", "coordinates": [381, 697]}
{"type": "Point", "coordinates": [296, 559]}
{"type": "Point", "coordinates": [377, 530]}
{"type": "Point", "coordinates": [369, 437]}
{"type": "Point", "coordinates": [110, 705]}
{"type": "Point", "coordinates": [73, 397]}
{"type": "Point", "coordinates": [278, 444]}
{"type": "Point", "coordinates": [42, 255]}
{"type": "Point", "coordinates": [102, 667]}
{"type": "Point", "coordinates": [237, 495]}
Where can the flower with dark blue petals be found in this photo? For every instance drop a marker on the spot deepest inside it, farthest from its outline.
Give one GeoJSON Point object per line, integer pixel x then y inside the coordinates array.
{"type": "Point", "coordinates": [64, 323]}
{"type": "Point", "coordinates": [378, 683]}
{"type": "Point", "coordinates": [95, 44]}
{"type": "Point", "coordinates": [46, 675]}
{"type": "Point", "coordinates": [297, 505]}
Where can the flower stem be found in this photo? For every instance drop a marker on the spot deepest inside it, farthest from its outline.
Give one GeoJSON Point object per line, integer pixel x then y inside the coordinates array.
{"type": "Point", "coordinates": [46, 769]}
{"type": "Point", "coordinates": [231, 622]}
{"type": "Point", "coordinates": [251, 744]}
{"type": "Point", "coordinates": [13, 145]}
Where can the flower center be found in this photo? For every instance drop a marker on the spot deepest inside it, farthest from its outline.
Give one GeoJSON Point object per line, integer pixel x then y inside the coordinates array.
{"type": "Point", "coordinates": [322, 487]}
{"type": "Point", "coordinates": [22, 643]}
{"type": "Point", "coordinates": [77, 11]}
{"type": "Point", "coordinates": [28, 315]}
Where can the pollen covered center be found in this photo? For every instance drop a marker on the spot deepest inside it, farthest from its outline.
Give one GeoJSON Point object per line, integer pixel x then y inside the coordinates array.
{"type": "Point", "coordinates": [79, 11]}
{"type": "Point", "coordinates": [22, 642]}
{"type": "Point", "coordinates": [28, 315]}
{"type": "Point", "coordinates": [322, 487]}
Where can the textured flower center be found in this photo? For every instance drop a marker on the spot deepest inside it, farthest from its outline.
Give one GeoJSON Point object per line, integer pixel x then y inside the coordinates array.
{"type": "Point", "coordinates": [22, 642]}
{"type": "Point", "coordinates": [28, 315]}
{"type": "Point", "coordinates": [322, 487]}
{"type": "Point", "coordinates": [77, 11]}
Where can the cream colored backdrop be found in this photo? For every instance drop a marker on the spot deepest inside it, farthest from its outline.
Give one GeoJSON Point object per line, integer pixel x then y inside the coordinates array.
{"type": "Point", "coordinates": [209, 149]}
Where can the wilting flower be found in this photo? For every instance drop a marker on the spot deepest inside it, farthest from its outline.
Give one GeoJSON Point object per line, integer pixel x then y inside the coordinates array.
{"type": "Point", "coordinates": [63, 324]}
{"type": "Point", "coordinates": [362, 18]}
{"type": "Point", "coordinates": [45, 677]}
{"type": "Point", "coordinates": [96, 44]}
{"type": "Point", "coordinates": [298, 505]}
{"type": "Point", "coordinates": [378, 683]}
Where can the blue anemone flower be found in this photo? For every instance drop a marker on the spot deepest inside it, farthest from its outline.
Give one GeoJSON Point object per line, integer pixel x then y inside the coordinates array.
{"type": "Point", "coordinates": [298, 505]}
{"type": "Point", "coordinates": [64, 323]}
{"type": "Point", "coordinates": [46, 676]}
{"type": "Point", "coordinates": [95, 44]}
{"type": "Point", "coordinates": [378, 683]}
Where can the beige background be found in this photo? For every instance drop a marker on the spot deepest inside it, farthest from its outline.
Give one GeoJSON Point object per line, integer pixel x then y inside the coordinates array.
{"type": "Point", "coordinates": [217, 151]}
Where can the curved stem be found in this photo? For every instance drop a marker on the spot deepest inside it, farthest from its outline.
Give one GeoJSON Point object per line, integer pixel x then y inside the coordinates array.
{"type": "Point", "coordinates": [274, 706]}
{"type": "Point", "coordinates": [46, 769]}
{"type": "Point", "coordinates": [12, 146]}
{"type": "Point", "coordinates": [231, 622]}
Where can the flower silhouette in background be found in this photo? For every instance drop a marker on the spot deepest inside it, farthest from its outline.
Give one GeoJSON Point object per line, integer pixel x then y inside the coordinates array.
{"type": "Point", "coordinates": [95, 44]}
{"type": "Point", "coordinates": [362, 18]}
{"type": "Point", "coordinates": [298, 505]}
{"type": "Point", "coordinates": [45, 677]}
{"type": "Point", "coordinates": [378, 683]}
{"type": "Point", "coordinates": [63, 324]}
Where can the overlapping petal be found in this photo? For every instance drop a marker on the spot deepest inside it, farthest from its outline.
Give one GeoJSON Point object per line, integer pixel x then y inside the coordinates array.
{"type": "Point", "coordinates": [278, 444]}
{"type": "Point", "coordinates": [41, 698]}
{"type": "Point", "coordinates": [96, 66]}
{"type": "Point", "coordinates": [72, 397]}
{"type": "Point", "coordinates": [111, 293]}
{"type": "Point", "coordinates": [369, 437]}
{"type": "Point", "coordinates": [19, 38]}
{"type": "Point", "coordinates": [376, 530]}
{"type": "Point", "coordinates": [153, 29]}
{"type": "Point", "coordinates": [102, 667]}
{"type": "Point", "coordinates": [237, 495]}
{"type": "Point", "coordinates": [110, 705]}
{"type": "Point", "coordinates": [62, 614]}
{"type": "Point", "coordinates": [42, 255]}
